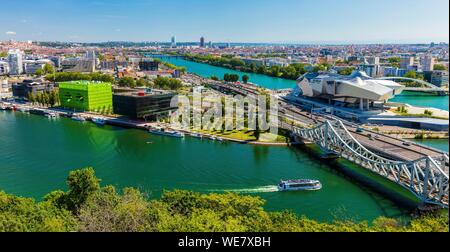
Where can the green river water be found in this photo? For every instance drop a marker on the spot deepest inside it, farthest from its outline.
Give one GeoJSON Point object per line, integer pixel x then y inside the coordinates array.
{"type": "Point", "coordinates": [37, 153]}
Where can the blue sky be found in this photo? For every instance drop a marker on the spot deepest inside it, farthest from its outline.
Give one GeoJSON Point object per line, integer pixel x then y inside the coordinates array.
{"type": "Point", "coordinates": [290, 21]}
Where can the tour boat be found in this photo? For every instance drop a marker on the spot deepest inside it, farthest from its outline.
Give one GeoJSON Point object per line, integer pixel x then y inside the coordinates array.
{"type": "Point", "coordinates": [302, 184]}
{"type": "Point", "coordinates": [196, 135]}
{"type": "Point", "coordinates": [98, 121]}
{"type": "Point", "coordinates": [52, 115]}
{"type": "Point", "coordinates": [78, 118]}
{"type": "Point", "coordinates": [165, 132]}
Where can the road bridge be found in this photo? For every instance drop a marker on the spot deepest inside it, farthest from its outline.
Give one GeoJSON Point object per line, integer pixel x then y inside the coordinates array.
{"type": "Point", "coordinates": [426, 177]}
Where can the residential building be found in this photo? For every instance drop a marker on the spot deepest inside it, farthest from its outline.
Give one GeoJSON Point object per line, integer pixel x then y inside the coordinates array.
{"type": "Point", "coordinates": [21, 90]}
{"type": "Point", "coordinates": [406, 62]}
{"type": "Point", "coordinates": [373, 60]}
{"type": "Point", "coordinates": [439, 78]}
{"type": "Point", "coordinates": [257, 62]}
{"type": "Point", "coordinates": [31, 66]}
{"type": "Point", "coordinates": [5, 89]}
{"type": "Point", "coordinates": [148, 104]}
{"type": "Point", "coordinates": [370, 69]}
{"type": "Point", "coordinates": [390, 71]}
{"type": "Point", "coordinates": [427, 63]}
{"type": "Point", "coordinates": [15, 61]}
{"type": "Point", "coordinates": [78, 65]}
{"type": "Point", "coordinates": [149, 65]}
{"type": "Point", "coordinates": [86, 96]}
{"type": "Point", "coordinates": [401, 72]}
{"type": "Point", "coordinates": [4, 68]}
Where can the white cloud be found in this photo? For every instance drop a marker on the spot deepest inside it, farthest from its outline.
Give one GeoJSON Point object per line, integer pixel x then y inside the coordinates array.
{"type": "Point", "coordinates": [11, 33]}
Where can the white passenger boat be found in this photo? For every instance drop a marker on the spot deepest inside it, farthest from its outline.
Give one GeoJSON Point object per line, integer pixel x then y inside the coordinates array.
{"type": "Point", "coordinates": [78, 118]}
{"type": "Point", "coordinates": [196, 135]}
{"type": "Point", "coordinates": [165, 132]}
{"type": "Point", "coordinates": [52, 115]}
{"type": "Point", "coordinates": [99, 121]}
{"type": "Point", "coordinates": [301, 184]}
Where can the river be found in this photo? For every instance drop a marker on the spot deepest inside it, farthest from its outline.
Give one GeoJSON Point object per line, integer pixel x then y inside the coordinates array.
{"type": "Point", "coordinates": [37, 153]}
{"type": "Point", "coordinates": [205, 70]}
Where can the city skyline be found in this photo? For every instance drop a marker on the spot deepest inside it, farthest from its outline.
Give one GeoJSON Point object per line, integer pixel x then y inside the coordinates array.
{"type": "Point", "coordinates": [293, 21]}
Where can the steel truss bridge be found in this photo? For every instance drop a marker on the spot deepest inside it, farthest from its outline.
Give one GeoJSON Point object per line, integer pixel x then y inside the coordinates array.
{"type": "Point", "coordinates": [424, 177]}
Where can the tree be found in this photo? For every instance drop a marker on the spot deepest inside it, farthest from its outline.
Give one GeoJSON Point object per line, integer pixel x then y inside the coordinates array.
{"type": "Point", "coordinates": [141, 83]}
{"type": "Point", "coordinates": [245, 78]}
{"type": "Point", "coordinates": [31, 97]}
{"type": "Point", "coordinates": [53, 98]}
{"type": "Point", "coordinates": [75, 76]}
{"type": "Point", "coordinates": [49, 69]}
{"type": "Point", "coordinates": [439, 67]}
{"type": "Point", "coordinates": [167, 83]}
{"type": "Point", "coordinates": [82, 184]}
{"type": "Point", "coordinates": [346, 71]}
{"type": "Point", "coordinates": [39, 72]}
{"type": "Point", "coordinates": [127, 82]}
{"type": "Point", "coordinates": [411, 74]}
{"type": "Point", "coordinates": [234, 77]}
{"type": "Point", "coordinates": [213, 77]}
{"type": "Point", "coordinates": [226, 77]}
{"type": "Point", "coordinates": [394, 61]}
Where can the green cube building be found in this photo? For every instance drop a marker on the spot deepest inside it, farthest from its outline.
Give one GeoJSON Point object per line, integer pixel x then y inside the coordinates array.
{"type": "Point", "coordinates": [86, 96]}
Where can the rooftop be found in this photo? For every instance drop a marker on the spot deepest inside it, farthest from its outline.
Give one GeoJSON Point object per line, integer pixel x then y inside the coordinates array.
{"type": "Point", "coordinates": [143, 92]}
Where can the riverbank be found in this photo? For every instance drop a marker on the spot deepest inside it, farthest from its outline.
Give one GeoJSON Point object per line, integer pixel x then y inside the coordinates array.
{"type": "Point", "coordinates": [242, 137]}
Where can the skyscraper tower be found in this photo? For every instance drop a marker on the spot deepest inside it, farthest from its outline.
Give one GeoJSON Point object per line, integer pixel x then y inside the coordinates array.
{"type": "Point", "coordinates": [174, 41]}
{"type": "Point", "coordinates": [202, 42]}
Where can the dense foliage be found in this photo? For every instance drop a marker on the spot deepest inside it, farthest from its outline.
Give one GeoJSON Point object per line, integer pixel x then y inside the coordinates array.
{"type": "Point", "coordinates": [230, 77]}
{"type": "Point", "coordinates": [88, 207]}
{"type": "Point", "coordinates": [439, 67]}
{"type": "Point", "coordinates": [49, 99]}
{"type": "Point", "coordinates": [167, 83]}
{"type": "Point", "coordinates": [75, 76]}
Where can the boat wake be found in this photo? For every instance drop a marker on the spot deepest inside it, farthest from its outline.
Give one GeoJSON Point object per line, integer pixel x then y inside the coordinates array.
{"type": "Point", "coordinates": [261, 189]}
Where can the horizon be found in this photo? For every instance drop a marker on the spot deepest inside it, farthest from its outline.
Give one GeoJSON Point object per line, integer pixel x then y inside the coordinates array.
{"type": "Point", "coordinates": [236, 43]}
{"type": "Point", "coordinates": [250, 21]}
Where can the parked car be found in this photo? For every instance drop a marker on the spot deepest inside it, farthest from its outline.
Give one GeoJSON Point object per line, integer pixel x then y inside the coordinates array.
{"type": "Point", "coordinates": [406, 143]}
